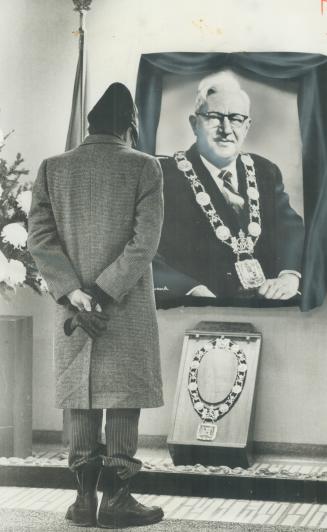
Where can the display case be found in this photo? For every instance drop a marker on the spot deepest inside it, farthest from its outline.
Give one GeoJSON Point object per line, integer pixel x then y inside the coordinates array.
{"type": "Point", "coordinates": [212, 419]}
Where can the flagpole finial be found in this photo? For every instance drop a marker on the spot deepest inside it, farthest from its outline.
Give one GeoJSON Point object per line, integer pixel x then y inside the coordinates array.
{"type": "Point", "coordinates": [82, 5]}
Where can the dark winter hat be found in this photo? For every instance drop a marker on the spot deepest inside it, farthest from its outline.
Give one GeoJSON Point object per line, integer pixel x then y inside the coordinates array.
{"type": "Point", "coordinates": [115, 112]}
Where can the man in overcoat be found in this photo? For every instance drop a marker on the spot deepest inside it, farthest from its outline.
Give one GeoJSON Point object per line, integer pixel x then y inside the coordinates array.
{"type": "Point", "coordinates": [229, 230]}
{"type": "Point", "coordinates": [94, 228]}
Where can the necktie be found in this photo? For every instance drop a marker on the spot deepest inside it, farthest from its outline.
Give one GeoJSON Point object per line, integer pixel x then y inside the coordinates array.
{"type": "Point", "coordinates": [232, 197]}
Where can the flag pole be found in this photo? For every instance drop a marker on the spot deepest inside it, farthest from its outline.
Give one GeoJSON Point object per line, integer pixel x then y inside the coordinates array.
{"type": "Point", "coordinates": [76, 128]}
{"type": "Point", "coordinates": [82, 51]}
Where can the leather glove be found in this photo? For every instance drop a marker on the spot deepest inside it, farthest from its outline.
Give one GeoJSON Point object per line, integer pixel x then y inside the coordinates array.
{"type": "Point", "coordinates": [94, 323]}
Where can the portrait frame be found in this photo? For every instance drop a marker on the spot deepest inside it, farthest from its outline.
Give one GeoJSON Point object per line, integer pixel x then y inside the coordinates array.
{"type": "Point", "coordinates": [310, 71]}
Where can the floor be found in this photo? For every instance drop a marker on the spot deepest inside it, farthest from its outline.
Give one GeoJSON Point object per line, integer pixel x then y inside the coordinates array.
{"type": "Point", "coordinates": [216, 510]}
{"type": "Point", "coordinates": [202, 509]}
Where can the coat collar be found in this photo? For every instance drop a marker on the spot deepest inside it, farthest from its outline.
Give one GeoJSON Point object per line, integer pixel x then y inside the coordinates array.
{"type": "Point", "coordinates": [103, 139]}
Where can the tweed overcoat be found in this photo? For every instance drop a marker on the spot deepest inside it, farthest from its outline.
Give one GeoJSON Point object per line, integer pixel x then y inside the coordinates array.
{"type": "Point", "coordinates": [96, 216]}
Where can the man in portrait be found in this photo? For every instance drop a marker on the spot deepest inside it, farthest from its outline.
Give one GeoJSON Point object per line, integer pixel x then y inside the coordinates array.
{"type": "Point", "coordinates": [229, 230]}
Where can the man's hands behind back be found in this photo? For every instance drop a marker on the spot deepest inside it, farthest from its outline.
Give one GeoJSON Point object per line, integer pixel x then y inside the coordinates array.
{"type": "Point", "coordinates": [89, 316]}
{"type": "Point", "coordinates": [81, 300]}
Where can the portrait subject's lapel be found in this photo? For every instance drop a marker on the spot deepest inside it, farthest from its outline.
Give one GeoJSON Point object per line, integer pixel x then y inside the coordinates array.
{"type": "Point", "coordinates": [242, 189]}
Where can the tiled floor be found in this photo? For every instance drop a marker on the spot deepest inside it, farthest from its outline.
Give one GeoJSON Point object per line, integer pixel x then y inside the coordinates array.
{"type": "Point", "coordinates": [215, 510]}
{"type": "Point", "coordinates": [202, 509]}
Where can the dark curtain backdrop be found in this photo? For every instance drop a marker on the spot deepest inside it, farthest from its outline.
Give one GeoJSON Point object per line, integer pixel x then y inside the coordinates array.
{"type": "Point", "coordinates": [310, 71]}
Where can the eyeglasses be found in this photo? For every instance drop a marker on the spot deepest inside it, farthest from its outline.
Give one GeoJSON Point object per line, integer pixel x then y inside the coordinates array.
{"type": "Point", "coordinates": [236, 120]}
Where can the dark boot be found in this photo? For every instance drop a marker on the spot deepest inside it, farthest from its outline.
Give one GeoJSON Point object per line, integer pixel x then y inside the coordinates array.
{"type": "Point", "coordinates": [83, 511]}
{"type": "Point", "coordinates": [119, 509]}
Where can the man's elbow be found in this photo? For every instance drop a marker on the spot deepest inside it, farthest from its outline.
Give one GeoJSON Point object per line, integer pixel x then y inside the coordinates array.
{"type": "Point", "coordinates": [146, 251]}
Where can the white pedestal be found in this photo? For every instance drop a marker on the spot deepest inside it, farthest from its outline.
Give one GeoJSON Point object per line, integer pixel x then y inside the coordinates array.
{"type": "Point", "coordinates": [16, 372]}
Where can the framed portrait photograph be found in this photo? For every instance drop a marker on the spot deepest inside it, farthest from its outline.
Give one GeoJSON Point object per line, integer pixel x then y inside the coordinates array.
{"type": "Point", "coordinates": [230, 137]}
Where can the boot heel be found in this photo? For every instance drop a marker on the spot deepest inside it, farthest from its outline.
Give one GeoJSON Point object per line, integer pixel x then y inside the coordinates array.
{"type": "Point", "coordinates": [81, 516]}
{"type": "Point", "coordinates": [83, 511]}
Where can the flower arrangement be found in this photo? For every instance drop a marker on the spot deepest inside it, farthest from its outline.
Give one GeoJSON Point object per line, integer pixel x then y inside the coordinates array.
{"type": "Point", "coordinates": [17, 267]}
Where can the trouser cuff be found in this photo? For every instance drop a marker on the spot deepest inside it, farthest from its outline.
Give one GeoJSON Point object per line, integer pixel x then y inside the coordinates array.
{"type": "Point", "coordinates": [124, 467]}
{"type": "Point", "coordinates": [95, 462]}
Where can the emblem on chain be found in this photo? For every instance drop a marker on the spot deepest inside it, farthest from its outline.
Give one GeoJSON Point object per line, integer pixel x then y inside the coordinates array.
{"type": "Point", "coordinates": [249, 271]}
{"type": "Point", "coordinates": [209, 412]}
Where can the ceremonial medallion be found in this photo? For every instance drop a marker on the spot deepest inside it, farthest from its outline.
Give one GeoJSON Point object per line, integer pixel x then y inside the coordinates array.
{"type": "Point", "coordinates": [202, 198]}
{"type": "Point", "coordinates": [253, 193]}
{"type": "Point", "coordinates": [247, 160]}
{"type": "Point", "coordinates": [250, 273]}
{"type": "Point", "coordinates": [184, 165]}
{"type": "Point", "coordinates": [254, 229]}
{"type": "Point", "coordinates": [206, 431]}
{"type": "Point", "coordinates": [223, 232]}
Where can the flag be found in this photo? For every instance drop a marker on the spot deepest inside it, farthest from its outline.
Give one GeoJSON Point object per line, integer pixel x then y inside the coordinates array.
{"type": "Point", "coordinates": [78, 122]}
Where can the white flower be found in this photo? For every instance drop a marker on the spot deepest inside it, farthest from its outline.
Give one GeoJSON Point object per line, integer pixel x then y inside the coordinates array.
{"type": "Point", "coordinates": [24, 200]}
{"type": "Point", "coordinates": [3, 267]}
{"type": "Point", "coordinates": [15, 234]}
{"type": "Point", "coordinates": [16, 273]}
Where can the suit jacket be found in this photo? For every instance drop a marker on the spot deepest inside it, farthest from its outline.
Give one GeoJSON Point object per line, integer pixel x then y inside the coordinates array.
{"type": "Point", "coordinates": [190, 253]}
{"type": "Point", "coordinates": [96, 216]}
